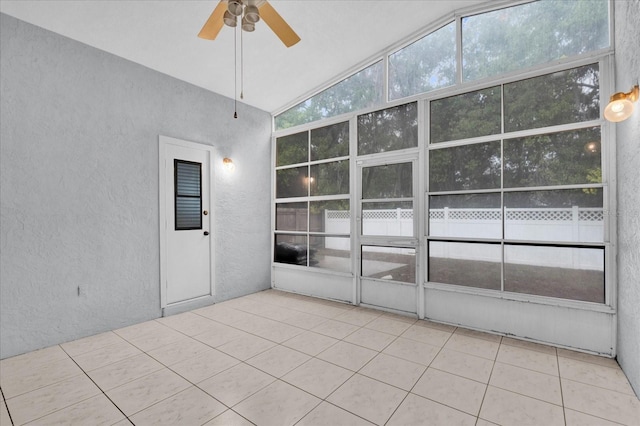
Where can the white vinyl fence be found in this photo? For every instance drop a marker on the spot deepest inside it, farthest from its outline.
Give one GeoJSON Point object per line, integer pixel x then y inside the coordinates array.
{"type": "Point", "coordinates": [576, 224]}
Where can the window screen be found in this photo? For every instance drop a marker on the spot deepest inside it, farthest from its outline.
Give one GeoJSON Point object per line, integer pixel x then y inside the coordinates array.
{"type": "Point", "coordinates": [188, 195]}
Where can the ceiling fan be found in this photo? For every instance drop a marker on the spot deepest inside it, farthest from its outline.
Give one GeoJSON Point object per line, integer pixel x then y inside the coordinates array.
{"type": "Point", "coordinates": [227, 12]}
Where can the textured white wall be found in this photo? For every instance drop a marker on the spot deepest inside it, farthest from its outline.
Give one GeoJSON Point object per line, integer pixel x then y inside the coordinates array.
{"type": "Point", "coordinates": [627, 40]}
{"type": "Point", "coordinates": [79, 187]}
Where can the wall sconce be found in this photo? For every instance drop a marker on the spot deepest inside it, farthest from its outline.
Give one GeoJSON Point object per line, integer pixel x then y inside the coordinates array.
{"type": "Point", "coordinates": [228, 164]}
{"type": "Point", "coordinates": [621, 105]}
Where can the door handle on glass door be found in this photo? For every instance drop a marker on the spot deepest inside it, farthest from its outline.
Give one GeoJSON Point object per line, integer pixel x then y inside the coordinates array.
{"type": "Point", "coordinates": [206, 232]}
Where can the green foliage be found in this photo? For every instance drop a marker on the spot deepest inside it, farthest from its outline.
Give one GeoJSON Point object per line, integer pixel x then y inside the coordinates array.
{"type": "Point", "coordinates": [389, 181]}
{"type": "Point", "coordinates": [330, 141]}
{"type": "Point", "coordinates": [292, 149]}
{"type": "Point", "coordinates": [551, 159]}
{"type": "Point", "coordinates": [388, 130]}
{"type": "Point", "coordinates": [534, 33]}
{"type": "Point", "coordinates": [466, 167]}
{"type": "Point", "coordinates": [427, 64]}
{"type": "Point", "coordinates": [361, 90]}
{"type": "Point", "coordinates": [464, 116]}
{"type": "Point", "coordinates": [493, 43]}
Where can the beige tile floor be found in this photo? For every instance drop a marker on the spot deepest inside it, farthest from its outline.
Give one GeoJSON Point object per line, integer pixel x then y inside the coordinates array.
{"type": "Point", "coordinates": [274, 358]}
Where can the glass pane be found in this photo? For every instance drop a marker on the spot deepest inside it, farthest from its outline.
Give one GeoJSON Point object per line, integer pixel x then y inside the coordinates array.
{"type": "Point", "coordinates": [187, 195]}
{"type": "Point", "coordinates": [187, 178]}
{"type": "Point", "coordinates": [425, 65]}
{"type": "Point", "coordinates": [292, 182]}
{"type": "Point", "coordinates": [467, 264]}
{"type": "Point", "coordinates": [563, 97]}
{"type": "Point", "coordinates": [574, 215]}
{"type": "Point", "coordinates": [534, 33]}
{"type": "Point", "coordinates": [332, 253]}
{"type": "Point", "coordinates": [188, 214]}
{"type": "Point", "coordinates": [465, 116]}
{"type": "Point", "coordinates": [390, 219]}
{"type": "Point", "coordinates": [389, 181]}
{"type": "Point", "coordinates": [465, 216]}
{"type": "Point", "coordinates": [291, 217]}
{"type": "Point", "coordinates": [553, 159]}
{"type": "Point", "coordinates": [465, 167]}
{"type": "Point", "coordinates": [292, 149]}
{"type": "Point", "coordinates": [565, 272]}
{"type": "Point", "coordinates": [389, 263]}
{"type": "Point", "coordinates": [364, 89]}
{"type": "Point", "coordinates": [291, 249]}
{"type": "Point", "coordinates": [332, 217]}
{"type": "Point", "coordinates": [388, 130]}
{"type": "Point", "coordinates": [330, 178]}
{"type": "Point", "coordinates": [330, 142]}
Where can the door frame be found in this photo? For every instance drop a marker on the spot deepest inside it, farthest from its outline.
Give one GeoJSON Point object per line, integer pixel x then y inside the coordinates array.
{"type": "Point", "coordinates": [173, 308]}
{"type": "Point", "coordinates": [414, 242]}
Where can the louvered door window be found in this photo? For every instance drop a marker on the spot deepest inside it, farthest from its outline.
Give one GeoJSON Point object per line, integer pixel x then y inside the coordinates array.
{"type": "Point", "coordinates": [188, 195]}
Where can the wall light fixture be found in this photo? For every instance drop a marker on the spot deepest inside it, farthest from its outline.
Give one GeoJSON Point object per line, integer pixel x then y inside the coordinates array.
{"type": "Point", "coordinates": [228, 164]}
{"type": "Point", "coordinates": [621, 105]}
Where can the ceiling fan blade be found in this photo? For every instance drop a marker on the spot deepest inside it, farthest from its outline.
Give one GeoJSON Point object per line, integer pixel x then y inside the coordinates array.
{"type": "Point", "coordinates": [214, 24]}
{"type": "Point", "coordinates": [278, 24]}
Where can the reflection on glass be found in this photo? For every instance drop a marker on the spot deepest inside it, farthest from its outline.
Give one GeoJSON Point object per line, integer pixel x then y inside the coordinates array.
{"type": "Point", "coordinates": [291, 216]}
{"type": "Point", "coordinates": [389, 181]}
{"type": "Point", "coordinates": [388, 130]}
{"type": "Point", "coordinates": [465, 167]}
{"type": "Point", "coordinates": [364, 89]}
{"type": "Point", "coordinates": [389, 263]}
{"type": "Point", "coordinates": [292, 249]}
{"type": "Point", "coordinates": [560, 98]}
{"type": "Point", "coordinates": [330, 178]}
{"type": "Point", "coordinates": [465, 116]}
{"type": "Point", "coordinates": [564, 158]}
{"type": "Point", "coordinates": [292, 149]}
{"type": "Point", "coordinates": [570, 215]}
{"type": "Point", "coordinates": [330, 141]}
{"type": "Point", "coordinates": [332, 253]}
{"type": "Point", "coordinates": [425, 65]}
{"type": "Point", "coordinates": [467, 264]}
{"type": "Point", "coordinates": [564, 272]}
{"type": "Point", "coordinates": [332, 217]}
{"type": "Point", "coordinates": [292, 182]}
{"type": "Point", "coordinates": [465, 216]}
{"type": "Point", "coordinates": [390, 219]}
{"type": "Point", "coordinates": [534, 33]}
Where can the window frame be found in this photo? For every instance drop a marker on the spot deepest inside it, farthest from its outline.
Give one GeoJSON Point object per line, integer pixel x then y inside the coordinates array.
{"type": "Point", "coordinates": [605, 64]}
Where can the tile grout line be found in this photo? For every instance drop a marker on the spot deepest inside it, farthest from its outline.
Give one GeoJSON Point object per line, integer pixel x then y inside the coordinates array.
{"type": "Point", "coordinates": [4, 401]}
{"type": "Point", "coordinates": [96, 385]}
{"type": "Point", "coordinates": [493, 366]}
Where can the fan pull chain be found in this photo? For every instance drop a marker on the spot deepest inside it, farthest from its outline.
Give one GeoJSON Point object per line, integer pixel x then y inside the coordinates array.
{"type": "Point", "coordinates": [241, 65]}
{"type": "Point", "coordinates": [235, 73]}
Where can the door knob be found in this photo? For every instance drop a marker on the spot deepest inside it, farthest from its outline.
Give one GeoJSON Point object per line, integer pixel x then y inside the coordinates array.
{"type": "Point", "coordinates": [206, 232]}
{"type": "Point", "coordinates": [205, 212]}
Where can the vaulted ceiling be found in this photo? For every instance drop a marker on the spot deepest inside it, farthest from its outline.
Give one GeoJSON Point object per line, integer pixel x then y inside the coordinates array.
{"type": "Point", "coordinates": [337, 36]}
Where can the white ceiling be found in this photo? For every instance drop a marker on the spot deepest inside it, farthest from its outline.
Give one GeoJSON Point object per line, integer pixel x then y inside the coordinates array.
{"type": "Point", "coordinates": [337, 35]}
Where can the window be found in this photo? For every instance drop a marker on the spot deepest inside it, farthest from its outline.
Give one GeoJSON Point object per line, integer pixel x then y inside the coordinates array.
{"type": "Point", "coordinates": [529, 34]}
{"type": "Point", "coordinates": [522, 214]}
{"type": "Point", "coordinates": [188, 195]}
{"type": "Point", "coordinates": [312, 199]}
{"type": "Point", "coordinates": [362, 90]}
{"type": "Point", "coordinates": [425, 65]}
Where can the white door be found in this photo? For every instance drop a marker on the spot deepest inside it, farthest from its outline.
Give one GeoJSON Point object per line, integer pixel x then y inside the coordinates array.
{"type": "Point", "coordinates": [186, 239]}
